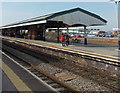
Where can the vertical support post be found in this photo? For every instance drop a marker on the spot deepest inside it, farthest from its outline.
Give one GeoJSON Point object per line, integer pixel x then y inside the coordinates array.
{"type": "Point", "coordinates": [29, 32]}
{"type": "Point", "coordinates": [20, 32]}
{"type": "Point", "coordinates": [14, 32]}
{"type": "Point", "coordinates": [44, 30]}
{"type": "Point", "coordinates": [85, 36]}
{"type": "Point", "coordinates": [58, 30]}
{"type": "Point", "coordinates": [118, 8]}
{"type": "Point", "coordinates": [67, 29]}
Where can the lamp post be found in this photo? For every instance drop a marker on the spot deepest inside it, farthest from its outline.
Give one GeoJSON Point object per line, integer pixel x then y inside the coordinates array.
{"type": "Point", "coordinates": [117, 2]}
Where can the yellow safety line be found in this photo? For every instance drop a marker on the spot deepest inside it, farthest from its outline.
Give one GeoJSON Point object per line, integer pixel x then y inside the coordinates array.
{"type": "Point", "coordinates": [18, 83]}
{"type": "Point", "coordinates": [92, 53]}
{"type": "Point", "coordinates": [96, 54]}
{"type": "Point", "coordinates": [81, 51]}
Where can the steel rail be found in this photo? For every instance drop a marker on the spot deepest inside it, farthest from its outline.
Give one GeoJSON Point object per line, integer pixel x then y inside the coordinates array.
{"type": "Point", "coordinates": [48, 45]}
{"type": "Point", "coordinates": [112, 87]}
{"type": "Point", "coordinates": [38, 69]}
{"type": "Point", "coordinates": [92, 56]}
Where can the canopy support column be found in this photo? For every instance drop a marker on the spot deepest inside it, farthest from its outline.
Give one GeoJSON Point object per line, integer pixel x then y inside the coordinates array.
{"type": "Point", "coordinates": [58, 33]}
{"type": "Point", "coordinates": [118, 6]}
{"type": "Point", "coordinates": [44, 30]}
{"type": "Point", "coordinates": [67, 29]}
{"type": "Point", "coordinates": [85, 36]}
{"type": "Point", "coordinates": [30, 32]}
{"type": "Point", "coordinates": [58, 30]}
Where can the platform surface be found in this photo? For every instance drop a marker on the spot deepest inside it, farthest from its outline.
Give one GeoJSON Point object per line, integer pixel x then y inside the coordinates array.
{"type": "Point", "coordinates": [110, 51]}
{"type": "Point", "coordinates": [104, 50]}
{"type": "Point", "coordinates": [34, 84]}
{"type": "Point", "coordinates": [7, 85]}
{"type": "Point", "coordinates": [16, 78]}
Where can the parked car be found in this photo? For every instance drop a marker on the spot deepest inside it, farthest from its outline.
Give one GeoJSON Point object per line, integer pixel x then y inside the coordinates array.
{"type": "Point", "coordinates": [109, 35]}
{"type": "Point", "coordinates": [91, 36]}
{"type": "Point", "coordinates": [77, 35]}
{"type": "Point", "coordinates": [82, 35]}
{"type": "Point", "coordinates": [71, 34]}
{"type": "Point", "coordinates": [101, 35]}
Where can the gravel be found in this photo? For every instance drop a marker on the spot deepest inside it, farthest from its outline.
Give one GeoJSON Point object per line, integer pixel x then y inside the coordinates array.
{"type": "Point", "coordinates": [79, 83]}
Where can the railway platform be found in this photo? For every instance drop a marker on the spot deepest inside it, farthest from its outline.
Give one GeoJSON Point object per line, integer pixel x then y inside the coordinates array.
{"type": "Point", "coordinates": [103, 50]}
{"type": "Point", "coordinates": [17, 79]}
{"type": "Point", "coordinates": [86, 55]}
{"type": "Point", "coordinates": [90, 48]}
{"type": "Point", "coordinates": [7, 85]}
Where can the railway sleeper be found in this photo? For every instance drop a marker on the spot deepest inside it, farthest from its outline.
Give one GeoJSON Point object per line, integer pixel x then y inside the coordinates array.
{"type": "Point", "coordinates": [56, 86]}
{"type": "Point", "coordinates": [51, 82]}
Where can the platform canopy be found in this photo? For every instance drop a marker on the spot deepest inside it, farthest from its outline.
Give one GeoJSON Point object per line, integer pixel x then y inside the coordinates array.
{"type": "Point", "coordinates": [72, 17]}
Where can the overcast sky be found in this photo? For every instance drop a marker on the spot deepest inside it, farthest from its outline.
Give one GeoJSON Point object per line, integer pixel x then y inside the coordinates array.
{"type": "Point", "coordinates": [17, 11]}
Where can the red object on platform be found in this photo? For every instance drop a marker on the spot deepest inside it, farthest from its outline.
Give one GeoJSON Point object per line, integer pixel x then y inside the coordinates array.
{"type": "Point", "coordinates": [62, 38]}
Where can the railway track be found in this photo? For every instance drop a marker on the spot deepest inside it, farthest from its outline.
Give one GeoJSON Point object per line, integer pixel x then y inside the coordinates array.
{"type": "Point", "coordinates": [83, 54]}
{"type": "Point", "coordinates": [59, 86]}
{"type": "Point", "coordinates": [91, 73]}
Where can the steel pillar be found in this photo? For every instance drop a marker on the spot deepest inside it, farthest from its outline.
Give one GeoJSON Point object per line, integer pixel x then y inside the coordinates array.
{"type": "Point", "coordinates": [44, 30]}
{"type": "Point", "coordinates": [85, 36]}
{"type": "Point", "coordinates": [58, 35]}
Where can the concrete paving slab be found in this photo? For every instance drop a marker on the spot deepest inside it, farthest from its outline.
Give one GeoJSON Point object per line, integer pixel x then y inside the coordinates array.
{"type": "Point", "coordinates": [7, 85]}
{"type": "Point", "coordinates": [33, 83]}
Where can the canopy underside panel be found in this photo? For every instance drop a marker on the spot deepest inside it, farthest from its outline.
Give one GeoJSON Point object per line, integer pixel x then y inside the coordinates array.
{"type": "Point", "coordinates": [78, 18]}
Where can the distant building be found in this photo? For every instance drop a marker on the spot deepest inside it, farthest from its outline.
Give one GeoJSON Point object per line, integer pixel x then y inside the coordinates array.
{"type": "Point", "coordinates": [94, 31]}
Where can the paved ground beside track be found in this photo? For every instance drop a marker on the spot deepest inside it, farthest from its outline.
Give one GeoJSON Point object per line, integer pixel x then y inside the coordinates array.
{"type": "Point", "coordinates": [104, 50]}
{"type": "Point", "coordinates": [18, 79]}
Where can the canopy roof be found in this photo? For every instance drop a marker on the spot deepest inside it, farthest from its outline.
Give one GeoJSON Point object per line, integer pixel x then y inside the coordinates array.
{"type": "Point", "coordinates": [72, 17]}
